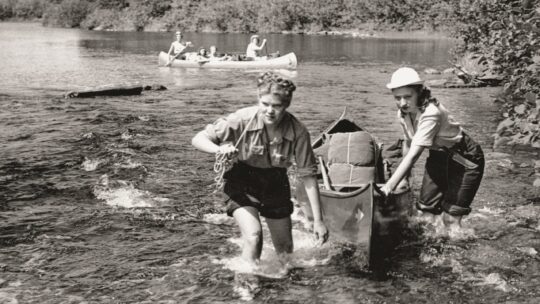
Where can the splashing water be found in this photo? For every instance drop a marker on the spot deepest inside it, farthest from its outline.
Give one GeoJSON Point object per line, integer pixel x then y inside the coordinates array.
{"type": "Point", "coordinates": [271, 265]}
{"type": "Point", "coordinates": [91, 164]}
{"type": "Point", "coordinates": [124, 194]}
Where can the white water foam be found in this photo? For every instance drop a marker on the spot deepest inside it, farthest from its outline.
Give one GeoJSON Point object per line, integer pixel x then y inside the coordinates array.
{"type": "Point", "coordinates": [218, 219]}
{"type": "Point", "coordinates": [485, 212]}
{"type": "Point", "coordinates": [126, 136]}
{"type": "Point", "coordinates": [434, 228]}
{"type": "Point", "coordinates": [496, 280]}
{"type": "Point", "coordinates": [528, 250]}
{"type": "Point", "coordinates": [91, 164]}
{"type": "Point", "coordinates": [124, 194]}
{"type": "Point", "coordinates": [128, 164]}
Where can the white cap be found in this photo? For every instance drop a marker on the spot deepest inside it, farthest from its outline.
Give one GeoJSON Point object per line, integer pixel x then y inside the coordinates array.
{"type": "Point", "coordinates": [253, 37]}
{"type": "Point", "coordinates": [404, 77]}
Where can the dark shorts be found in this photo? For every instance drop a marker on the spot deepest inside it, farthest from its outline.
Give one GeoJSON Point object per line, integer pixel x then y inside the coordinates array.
{"type": "Point", "coordinates": [451, 178]}
{"type": "Point", "coordinates": [270, 186]}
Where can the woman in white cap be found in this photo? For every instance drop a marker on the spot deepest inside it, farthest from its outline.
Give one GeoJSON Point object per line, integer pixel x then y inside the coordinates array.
{"type": "Point", "coordinates": [455, 165]}
{"type": "Point", "coordinates": [177, 47]}
{"type": "Point", "coordinates": [253, 49]}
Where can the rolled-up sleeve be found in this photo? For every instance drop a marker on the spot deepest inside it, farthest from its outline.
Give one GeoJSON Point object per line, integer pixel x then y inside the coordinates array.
{"type": "Point", "coordinates": [305, 158]}
{"type": "Point", "coordinates": [224, 129]}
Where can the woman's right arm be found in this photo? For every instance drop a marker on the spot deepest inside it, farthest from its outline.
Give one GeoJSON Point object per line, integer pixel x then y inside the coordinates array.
{"type": "Point", "coordinates": [262, 44]}
{"type": "Point", "coordinates": [203, 142]}
{"type": "Point", "coordinates": [403, 169]}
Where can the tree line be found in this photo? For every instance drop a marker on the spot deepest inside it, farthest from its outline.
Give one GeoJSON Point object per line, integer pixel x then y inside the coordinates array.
{"type": "Point", "coordinates": [234, 15]}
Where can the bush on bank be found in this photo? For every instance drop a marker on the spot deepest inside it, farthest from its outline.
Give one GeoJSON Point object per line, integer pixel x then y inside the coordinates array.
{"type": "Point", "coordinates": [507, 34]}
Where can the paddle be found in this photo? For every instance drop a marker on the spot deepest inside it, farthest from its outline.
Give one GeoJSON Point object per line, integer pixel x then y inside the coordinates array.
{"type": "Point", "coordinates": [188, 44]}
{"type": "Point", "coordinates": [326, 181]}
{"type": "Point", "coordinates": [172, 59]}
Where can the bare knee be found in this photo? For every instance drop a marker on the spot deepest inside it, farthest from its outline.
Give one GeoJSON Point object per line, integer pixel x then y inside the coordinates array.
{"type": "Point", "coordinates": [254, 238]}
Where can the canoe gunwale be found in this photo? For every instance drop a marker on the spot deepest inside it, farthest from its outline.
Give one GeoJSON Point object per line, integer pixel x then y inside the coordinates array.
{"type": "Point", "coordinates": [345, 195]}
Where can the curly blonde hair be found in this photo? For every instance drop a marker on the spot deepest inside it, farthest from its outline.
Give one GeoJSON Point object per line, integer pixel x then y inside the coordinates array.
{"type": "Point", "coordinates": [272, 83]}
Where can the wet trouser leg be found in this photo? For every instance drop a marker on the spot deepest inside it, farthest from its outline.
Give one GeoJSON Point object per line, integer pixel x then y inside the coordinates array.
{"type": "Point", "coordinates": [452, 178]}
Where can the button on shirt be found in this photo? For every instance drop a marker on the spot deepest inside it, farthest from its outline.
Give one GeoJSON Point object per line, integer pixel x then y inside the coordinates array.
{"type": "Point", "coordinates": [256, 150]}
{"type": "Point", "coordinates": [433, 129]}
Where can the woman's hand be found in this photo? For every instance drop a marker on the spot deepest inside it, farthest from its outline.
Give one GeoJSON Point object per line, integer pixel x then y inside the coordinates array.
{"type": "Point", "coordinates": [320, 231]}
{"type": "Point", "coordinates": [228, 150]}
{"type": "Point", "coordinates": [386, 189]}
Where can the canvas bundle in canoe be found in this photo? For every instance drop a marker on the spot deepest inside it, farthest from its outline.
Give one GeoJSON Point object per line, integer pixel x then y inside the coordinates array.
{"type": "Point", "coordinates": [357, 213]}
{"type": "Point", "coordinates": [287, 61]}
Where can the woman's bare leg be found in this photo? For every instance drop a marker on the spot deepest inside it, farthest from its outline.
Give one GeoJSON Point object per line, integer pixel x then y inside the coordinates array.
{"type": "Point", "coordinates": [281, 233]}
{"type": "Point", "coordinates": [249, 223]}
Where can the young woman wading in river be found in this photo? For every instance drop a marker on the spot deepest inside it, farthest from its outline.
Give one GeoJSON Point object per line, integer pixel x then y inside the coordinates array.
{"type": "Point", "coordinates": [455, 164]}
{"type": "Point", "coordinates": [265, 139]}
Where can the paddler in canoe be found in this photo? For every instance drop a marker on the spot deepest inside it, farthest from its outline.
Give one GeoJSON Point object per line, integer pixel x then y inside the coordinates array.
{"type": "Point", "coordinates": [177, 48]}
{"type": "Point", "coordinates": [264, 139]}
{"type": "Point", "coordinates": [253, 49]}
{"type": "Point", "coordinates": [454, 168]}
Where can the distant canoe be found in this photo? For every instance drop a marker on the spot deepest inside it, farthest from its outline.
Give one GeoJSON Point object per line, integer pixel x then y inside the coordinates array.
{"type": "Point", "coordinates": [287, 61]}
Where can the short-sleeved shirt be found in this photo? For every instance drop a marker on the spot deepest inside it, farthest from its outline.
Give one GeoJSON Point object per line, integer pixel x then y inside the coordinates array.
{"type": "Point", "coordinates": [252, 50]}
{"type": "Point", "coordinates": [434, 128]}
{"type": "Point", "coordinates": [255, 148]}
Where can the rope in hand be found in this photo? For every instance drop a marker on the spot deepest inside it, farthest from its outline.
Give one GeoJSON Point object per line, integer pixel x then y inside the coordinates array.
{"type": "Point", "coordinates": [224, 163]}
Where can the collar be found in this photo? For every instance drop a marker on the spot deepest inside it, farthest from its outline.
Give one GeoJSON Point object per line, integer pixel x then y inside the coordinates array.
{"type": "Point", "coordinates": [285, 127]}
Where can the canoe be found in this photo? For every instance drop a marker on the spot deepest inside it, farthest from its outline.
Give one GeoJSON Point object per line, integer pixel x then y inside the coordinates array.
{"type": "Point", "coordinates": [361, 215]}
{"type": "Point", "coordinates": [287, 61]}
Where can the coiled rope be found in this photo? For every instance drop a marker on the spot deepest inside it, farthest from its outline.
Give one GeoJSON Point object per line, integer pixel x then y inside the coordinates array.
{"type": "Point", "coordinates": [224, 163]}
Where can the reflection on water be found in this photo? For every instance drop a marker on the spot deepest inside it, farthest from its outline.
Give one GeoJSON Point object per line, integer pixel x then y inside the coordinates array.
{"type": "Point", "coordinates": [103, 200]}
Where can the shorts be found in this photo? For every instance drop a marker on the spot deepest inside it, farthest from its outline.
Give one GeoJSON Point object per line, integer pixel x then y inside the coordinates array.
{"type": "Point", "coordinates": [452, 178]}
{"type": "Point", "coordinates": [270, 186]}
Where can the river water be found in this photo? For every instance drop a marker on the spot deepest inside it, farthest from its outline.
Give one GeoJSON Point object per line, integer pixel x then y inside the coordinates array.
{"type": "Point", "coordinates": [103, 200]}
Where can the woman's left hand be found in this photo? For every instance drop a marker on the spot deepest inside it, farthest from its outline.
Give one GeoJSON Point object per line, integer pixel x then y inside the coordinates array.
{"type": "Point", "coordinates": [320, 231]}
{"type": "Point", "coordinates": [386, 190]}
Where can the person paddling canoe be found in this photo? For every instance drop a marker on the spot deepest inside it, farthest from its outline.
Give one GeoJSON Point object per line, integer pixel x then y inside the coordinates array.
{"type": "Point", "coordinates": [253, 49]}
{"type": "Point", "coordinates": [455, 166]}
{"type": "Point", "coordinates": [265, 139]}
{"type": "Point", "coordinates": [177, 48]}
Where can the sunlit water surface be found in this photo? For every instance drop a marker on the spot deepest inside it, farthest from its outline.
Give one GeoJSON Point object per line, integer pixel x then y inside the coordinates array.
{"type": "Point", "coordinates": [103, 200]}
